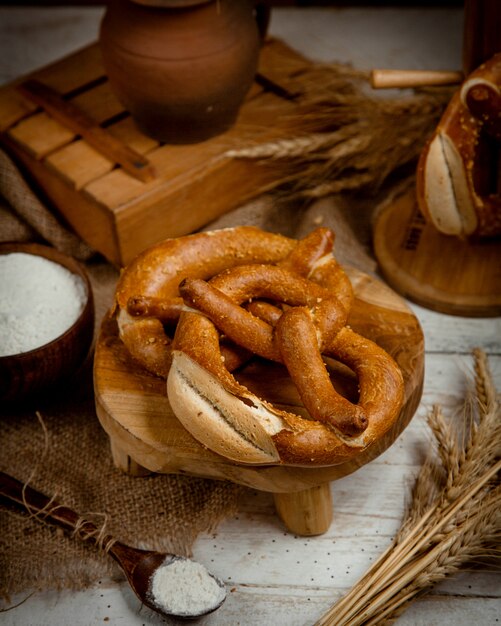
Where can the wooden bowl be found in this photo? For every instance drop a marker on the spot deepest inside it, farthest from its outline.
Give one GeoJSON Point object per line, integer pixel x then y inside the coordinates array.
{"type": "Point", "coordinates": [28, 374]}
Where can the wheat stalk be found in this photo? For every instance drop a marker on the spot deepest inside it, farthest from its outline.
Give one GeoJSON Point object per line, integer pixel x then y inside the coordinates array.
{"type": "Point", "coordinates": [339, 138]}
{"type": "Point", "coordinates": [286, 148]}
{"type": "Point", "coordinates": [454, 516]}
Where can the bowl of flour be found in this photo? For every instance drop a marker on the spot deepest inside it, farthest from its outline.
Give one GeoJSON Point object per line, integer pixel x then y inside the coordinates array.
{"type": "Point", "coordinates": [46, 319]}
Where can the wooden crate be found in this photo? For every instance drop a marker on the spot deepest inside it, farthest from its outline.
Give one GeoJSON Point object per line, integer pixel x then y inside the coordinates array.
{"type": "Point", "coordinates": [115, 213]}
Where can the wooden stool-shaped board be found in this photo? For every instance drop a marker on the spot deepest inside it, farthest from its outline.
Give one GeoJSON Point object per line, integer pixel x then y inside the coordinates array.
{"type": "Point", "coordinates": [145, 435]}
{"type": "Point", "coordinates": [440, 272]}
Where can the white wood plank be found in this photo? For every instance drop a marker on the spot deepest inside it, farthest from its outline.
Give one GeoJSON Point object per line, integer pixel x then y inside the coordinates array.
{"type": "Point", "coordinates": [456, 334]}
{"type": "Point", "coordinates": [248, 605]}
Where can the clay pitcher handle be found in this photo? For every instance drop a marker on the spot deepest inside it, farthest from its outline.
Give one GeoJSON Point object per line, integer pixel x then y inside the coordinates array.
{"type": "Point", "coordinates": [262, 13]}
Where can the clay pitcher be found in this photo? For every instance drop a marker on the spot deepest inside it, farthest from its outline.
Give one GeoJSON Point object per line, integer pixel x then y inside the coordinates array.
{"type": "Point", "coordinates": [182, 68]}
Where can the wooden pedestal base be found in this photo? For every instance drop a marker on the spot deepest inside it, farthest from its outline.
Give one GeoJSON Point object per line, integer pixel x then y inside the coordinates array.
{"type": "Point", "coordinates": [146, 436]}
{"type": "Point", "coordinates": [442, 273]}
{"type": "Point", "coordinates": [307, 512]}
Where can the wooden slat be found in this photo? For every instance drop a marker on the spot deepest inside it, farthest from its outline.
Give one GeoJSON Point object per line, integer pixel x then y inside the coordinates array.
{"type": "Point", "coordinates": [73, 71]}
{"type": "Point", "coordinates": [79, 164]}
{"type": "Point", "coordinates": [40, 134]}
{"type": "Point", "coordinates": [278, 61]}
{"type": "Point", "coordinates": [127, 131]}
{"type": "Point", "coordinates": [116, 188]}
{"type": "Point", "coordinates": [256, 123]}
{"type": "Point", "coordinates": [99, 103]}
{"type": "Point", "coordinates": [13, 107]}
{"type": "Point", "coordinates": [80, 68]}
{"type": "Point", "coordinates": [74, 118]}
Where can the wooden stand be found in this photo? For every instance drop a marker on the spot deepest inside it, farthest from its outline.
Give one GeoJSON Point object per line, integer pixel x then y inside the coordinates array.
{"type": "Point", "coordinates": [443, 273]}
{"type": "Point", "coordinates": [145, 436]}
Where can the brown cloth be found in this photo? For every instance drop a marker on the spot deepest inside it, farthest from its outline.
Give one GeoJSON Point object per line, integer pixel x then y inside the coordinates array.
{"type": "Point", "coordinates": [23, 216]}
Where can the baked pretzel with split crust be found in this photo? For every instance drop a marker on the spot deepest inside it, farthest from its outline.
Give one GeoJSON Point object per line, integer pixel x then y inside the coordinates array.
{"type": "Point", "coordinates": [296, 300]}
{"type": "Point", "coordinates": [307, 322]}
{"type": "Point", "coordinates": [449, 190]}
{"type": "Point", "coordinates": [234, 422]}
{"type": "Point", "coordinates": [147, 299]}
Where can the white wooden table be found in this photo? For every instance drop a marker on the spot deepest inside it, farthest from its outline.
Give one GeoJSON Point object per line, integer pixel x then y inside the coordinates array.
{"type": "Point", "coordinates": [276, 578]}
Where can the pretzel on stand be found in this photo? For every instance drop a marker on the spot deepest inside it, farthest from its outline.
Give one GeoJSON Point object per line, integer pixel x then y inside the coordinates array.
{"type": "Point", "coordinates": [240, 292]}
{"type": "Point", "coordinates": [234, 422]}
{"type": "Point", "coordinates": [450, 190]}
{"type": "Point", "coordinates": [147, 299]}
{"type": "Point", "coordinates": [147, 296]}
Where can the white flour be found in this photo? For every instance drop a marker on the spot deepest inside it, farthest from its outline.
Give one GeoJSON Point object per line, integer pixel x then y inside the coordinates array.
{"type": "Point", "coordinates": [185, 587]}
{"type": "Point", "coordinates": [39, 301]}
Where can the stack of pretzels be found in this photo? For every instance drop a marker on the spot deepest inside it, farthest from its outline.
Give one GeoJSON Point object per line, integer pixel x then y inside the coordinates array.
{"type": "Point", "coordinates": [194, 309]}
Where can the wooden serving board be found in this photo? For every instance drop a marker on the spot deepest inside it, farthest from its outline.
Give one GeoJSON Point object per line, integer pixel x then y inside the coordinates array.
{"type": "Point", "coordinates": [443, 273]}
{"type": "Point", "coordinates": [145, 436]}
{"type": "Point", "coordinates": [114, 212]}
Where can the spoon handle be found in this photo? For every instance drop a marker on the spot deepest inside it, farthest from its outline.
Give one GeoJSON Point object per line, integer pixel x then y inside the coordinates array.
{"type": "Point", "coordinates": [28, 500]}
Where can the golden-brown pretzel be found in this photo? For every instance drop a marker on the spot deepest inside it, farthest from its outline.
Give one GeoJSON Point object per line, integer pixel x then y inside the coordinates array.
{"type": "Point", "coordinates": [147, 296]}
{"type": "Point", "coordinates": [229, 419]}
{"type": "Point", "coordinates": [449, 189]}
{"type": "Point", "coordinates": [148, 301]}
{"type": "Point", "coordinates": [220, 300]}
{"type": "Point", "coordinates": [302, 333]}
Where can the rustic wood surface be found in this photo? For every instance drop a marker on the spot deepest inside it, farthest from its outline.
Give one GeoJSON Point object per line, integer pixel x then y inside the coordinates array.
{"type": "Point", "coordinates": [274, 577]}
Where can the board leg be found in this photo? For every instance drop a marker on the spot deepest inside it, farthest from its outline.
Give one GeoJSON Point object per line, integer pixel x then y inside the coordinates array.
{"type": "Point", "coordinates": [125, 463]}
{"type": "Point", "coordinates": [307, 512]}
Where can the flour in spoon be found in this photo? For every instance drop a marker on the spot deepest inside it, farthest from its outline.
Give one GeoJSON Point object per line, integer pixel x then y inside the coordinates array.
{"type": "Point", "coordinates": [184, 587]}
{"type": "Point", "coordinates": [39, 301]}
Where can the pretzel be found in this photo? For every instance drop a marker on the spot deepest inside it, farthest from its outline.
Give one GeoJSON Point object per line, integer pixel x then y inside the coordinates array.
{"type": "Point", "coordinates": [229, 419]}
{"type": "Point", "coordinates": [220, 301]}
{"type": "Point", "coordinates": [289, 290]}
{"type": "Point", "coordinates": [449, 189]}
{"type": "Point", "coordinates": [147, 300]}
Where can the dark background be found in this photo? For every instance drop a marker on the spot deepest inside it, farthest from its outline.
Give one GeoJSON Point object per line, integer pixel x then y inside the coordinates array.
{"type": "Point", "coordinates": [297, 3]}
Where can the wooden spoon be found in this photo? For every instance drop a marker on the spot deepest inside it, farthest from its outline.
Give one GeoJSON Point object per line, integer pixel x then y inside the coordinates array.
{"type": "Point", "coordinates": [138, 565]}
